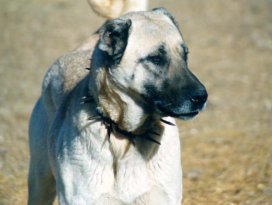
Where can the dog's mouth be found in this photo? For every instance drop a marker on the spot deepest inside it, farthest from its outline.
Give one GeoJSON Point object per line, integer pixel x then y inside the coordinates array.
{"type": "Point", "coordinates": [176, 114]}
{"type": "Point", "coordinates": [185, 115]}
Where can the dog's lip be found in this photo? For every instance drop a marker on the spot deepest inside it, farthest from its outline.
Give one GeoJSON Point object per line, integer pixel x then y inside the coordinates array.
{"type": "Point", "coordinates": [189, 114]}
{"type": "Point", "coordinates": [178, 115]}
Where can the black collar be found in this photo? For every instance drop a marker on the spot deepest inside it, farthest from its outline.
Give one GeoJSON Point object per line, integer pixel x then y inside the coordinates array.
{"type": "Point", "coordinates": [113, 127]}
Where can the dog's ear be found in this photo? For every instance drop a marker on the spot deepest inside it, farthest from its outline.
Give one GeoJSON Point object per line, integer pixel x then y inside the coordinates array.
{"type": "Point", "coordinates": [114, 38]}
{"type": "Point", "coordinates": [165, 12]}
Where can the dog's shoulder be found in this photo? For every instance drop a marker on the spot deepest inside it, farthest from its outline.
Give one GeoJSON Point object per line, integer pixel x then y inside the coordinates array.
{"type": "Point", "coordinates": [65, 74]}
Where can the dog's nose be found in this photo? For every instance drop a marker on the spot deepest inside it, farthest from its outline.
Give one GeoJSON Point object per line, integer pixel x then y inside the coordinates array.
{"type": "Point", "coordinates": [199, 97]}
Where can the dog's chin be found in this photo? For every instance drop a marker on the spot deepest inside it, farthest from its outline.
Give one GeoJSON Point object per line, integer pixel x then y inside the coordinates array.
{"type": "Point", "coordinates": [184, 115]}
{"type": "Point", "coordinates": [187, 116]}
{"type": "Point", "coordinates": [179, 115]}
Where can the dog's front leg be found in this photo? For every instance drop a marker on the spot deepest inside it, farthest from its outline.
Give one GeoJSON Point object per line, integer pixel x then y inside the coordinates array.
{"type": "Point", "coordinates": [41, 182]}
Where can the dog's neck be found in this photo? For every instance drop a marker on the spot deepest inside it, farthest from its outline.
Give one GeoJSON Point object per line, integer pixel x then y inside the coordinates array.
{"type": "Point", "coordinates": [119, 105]}
{"type": "Point", "coordinates": [123, 112]}
{"type": "Point", "coordinates": [122, 109]}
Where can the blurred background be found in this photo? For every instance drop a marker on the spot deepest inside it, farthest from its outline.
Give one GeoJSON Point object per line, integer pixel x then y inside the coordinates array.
{"type": "Point", "coordinates": [226, 150]}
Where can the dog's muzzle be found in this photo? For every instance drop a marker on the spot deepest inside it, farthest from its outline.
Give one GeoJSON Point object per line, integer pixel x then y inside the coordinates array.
{"type": "Point", "coordinates": [184, 108]}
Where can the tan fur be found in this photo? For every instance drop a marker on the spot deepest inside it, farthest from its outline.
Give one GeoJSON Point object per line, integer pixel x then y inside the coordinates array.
{"type": "Point", "coordinates": [111, 9]}
{"type": "Point", "coordinates": [71, 152]}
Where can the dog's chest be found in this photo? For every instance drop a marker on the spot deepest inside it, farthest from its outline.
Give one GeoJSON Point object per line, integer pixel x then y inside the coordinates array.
{"type": "Point", "coordinates": [126, 180]}
{"type": "Point", "coordinates": [122, 172]}
{"type": "Point", "coordinates": [132, 179]}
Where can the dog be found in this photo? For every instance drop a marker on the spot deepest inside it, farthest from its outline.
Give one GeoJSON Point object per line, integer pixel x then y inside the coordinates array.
{"type": "Point", "coordinates": [111, 9]}
{"type": "Point", "coordinates": [106, 134]}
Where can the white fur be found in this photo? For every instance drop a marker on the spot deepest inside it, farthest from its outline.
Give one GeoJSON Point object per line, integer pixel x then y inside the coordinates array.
{"type": "Point", "coordinates": [81, 158]}
{"type": "Point", "coordinates": [111, 9]}
{"type": "Point", "coordinates": [73, 157]}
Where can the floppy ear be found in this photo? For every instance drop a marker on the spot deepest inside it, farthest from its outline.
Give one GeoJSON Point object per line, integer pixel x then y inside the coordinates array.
{"type": "Point", "coordinates": [113, 39]}
{"type": "Point", "coordinates": [165, 12]}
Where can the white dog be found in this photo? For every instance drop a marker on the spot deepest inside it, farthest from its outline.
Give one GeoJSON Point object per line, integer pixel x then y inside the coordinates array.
{"type": "Point", "coordinates": [111, 9]}
{"type": "Point", "coordinates": [105, 135]}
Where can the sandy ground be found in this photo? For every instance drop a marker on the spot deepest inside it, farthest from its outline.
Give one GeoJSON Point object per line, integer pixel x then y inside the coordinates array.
{"type": "Point", "coordinates": [226, 151]}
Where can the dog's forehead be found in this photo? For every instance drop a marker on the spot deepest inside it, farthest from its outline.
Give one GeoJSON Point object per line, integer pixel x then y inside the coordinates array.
{"type": "Point", "coordinates": [149, 30]}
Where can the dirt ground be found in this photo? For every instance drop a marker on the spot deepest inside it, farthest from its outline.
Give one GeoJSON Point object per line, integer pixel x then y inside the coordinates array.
{"type": "Point", "coordinates": [226, 151]}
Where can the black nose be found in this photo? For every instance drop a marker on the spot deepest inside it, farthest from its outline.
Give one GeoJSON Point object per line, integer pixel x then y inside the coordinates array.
{"type": "Point", "coordinates": [199, 97]}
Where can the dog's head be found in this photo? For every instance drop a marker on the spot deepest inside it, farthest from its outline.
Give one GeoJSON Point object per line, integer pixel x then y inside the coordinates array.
{"type": "Point", "coordinates": [145, 55]}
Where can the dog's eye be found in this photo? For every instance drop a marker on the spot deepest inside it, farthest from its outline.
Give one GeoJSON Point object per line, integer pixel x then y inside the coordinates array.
{"type": "Point", "coordinates": [156, 60]}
